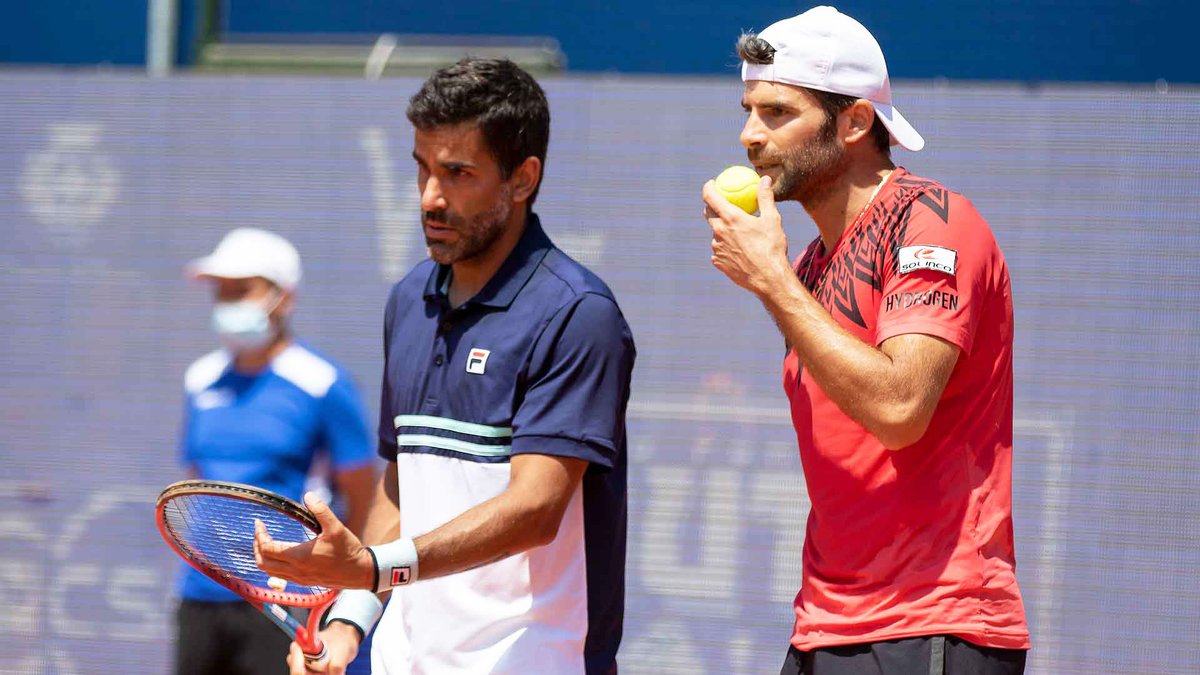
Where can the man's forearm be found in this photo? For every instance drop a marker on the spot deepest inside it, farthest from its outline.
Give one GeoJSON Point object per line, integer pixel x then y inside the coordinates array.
{"type": "Point", "coordinates": [383, 514]}
{"type": "Point", "coordinates": [491, 531]}
{"type": "Point", "coordinates": [859, 378]}
{"type": "Point", "coordinates": [360, 487]}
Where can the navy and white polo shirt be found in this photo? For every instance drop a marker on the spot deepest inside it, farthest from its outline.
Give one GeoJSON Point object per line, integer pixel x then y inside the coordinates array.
{"type": "Point", "coordinates": [539, 361]}
{"type": "Point", "coordinates": [266, 428]}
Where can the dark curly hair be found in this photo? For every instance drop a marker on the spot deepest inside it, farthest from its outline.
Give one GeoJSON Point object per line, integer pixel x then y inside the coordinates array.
{"type": "Point", "coordinates": [499, 98]}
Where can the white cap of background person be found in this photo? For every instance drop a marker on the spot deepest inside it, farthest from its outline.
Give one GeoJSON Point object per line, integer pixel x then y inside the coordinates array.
{"type": "Point", "coordinates": [249, 252]}
{"type": "Point", "coordinates": [827, 50]}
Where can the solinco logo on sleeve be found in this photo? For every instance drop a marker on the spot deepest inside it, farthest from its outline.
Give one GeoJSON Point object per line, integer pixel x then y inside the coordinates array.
{"type": "Point", "coordinates": [912, 258]}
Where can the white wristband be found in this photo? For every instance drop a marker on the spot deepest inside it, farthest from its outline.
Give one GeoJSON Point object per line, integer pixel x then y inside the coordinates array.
{"type": "Point", "coordinates": [359, 608]}
{"type": "Point", "coordinates": [395, 564]}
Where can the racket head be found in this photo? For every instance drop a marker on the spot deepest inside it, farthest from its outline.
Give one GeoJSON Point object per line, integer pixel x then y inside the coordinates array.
{"type": "Point", "coordinates": [210, 524]}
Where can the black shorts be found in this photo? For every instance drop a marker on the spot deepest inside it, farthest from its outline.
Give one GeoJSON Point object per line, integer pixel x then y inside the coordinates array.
{"type": "Point", "coordinates": [228, 638]}
{"type": "Point", "coordinates": [929, 655]}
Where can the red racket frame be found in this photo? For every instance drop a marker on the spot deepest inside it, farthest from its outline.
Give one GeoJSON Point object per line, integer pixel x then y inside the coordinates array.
{"type": "Point", "coordinates": [267, 601]}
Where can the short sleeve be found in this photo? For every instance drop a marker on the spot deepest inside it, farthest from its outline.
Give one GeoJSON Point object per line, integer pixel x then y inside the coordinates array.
{"type": "Point", "coordinates": [344, 425]}
{"type": "Point", "coordinates": [578, 385]}
{"type": "Point", "coordinates": [387, 433]}
{"type": "Point", "coordinates": [935, 276]}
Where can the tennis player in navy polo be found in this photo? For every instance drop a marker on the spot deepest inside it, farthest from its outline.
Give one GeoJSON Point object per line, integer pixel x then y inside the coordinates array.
{"type": "Point", "coordinates": [507, 369]}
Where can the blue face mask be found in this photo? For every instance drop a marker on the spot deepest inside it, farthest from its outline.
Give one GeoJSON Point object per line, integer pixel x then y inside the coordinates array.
{"type": "Point", "coordinates": [242, 325]}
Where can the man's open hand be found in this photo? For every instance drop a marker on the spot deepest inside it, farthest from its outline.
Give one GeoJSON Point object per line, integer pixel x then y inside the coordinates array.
{"type": "Point", "coordinates": [335, 559]}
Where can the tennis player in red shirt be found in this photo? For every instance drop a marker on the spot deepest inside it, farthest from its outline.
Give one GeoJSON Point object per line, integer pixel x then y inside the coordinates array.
{"type": "Point", "coordinates": [899, 325]}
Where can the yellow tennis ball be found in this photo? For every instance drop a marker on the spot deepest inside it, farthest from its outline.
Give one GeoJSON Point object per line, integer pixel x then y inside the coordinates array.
{"type": "Point", "coordinates": [739, 184]}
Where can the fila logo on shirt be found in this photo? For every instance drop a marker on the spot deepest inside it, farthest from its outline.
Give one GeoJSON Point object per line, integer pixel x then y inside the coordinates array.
{"type": "Point", "coordinates": [936, 258]}
{"type": "Point", "coordinates": [477, 360]}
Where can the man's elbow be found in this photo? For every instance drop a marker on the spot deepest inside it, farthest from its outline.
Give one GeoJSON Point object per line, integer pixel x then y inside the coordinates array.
{"type": "Point", "coordinates": [545, 530]}
{"type": "Point", "coordinates": [540, 524]}
{"type": "Point", "coordinates": [543, 537]}
{"type": "Point", "coordinates": [902, 426]}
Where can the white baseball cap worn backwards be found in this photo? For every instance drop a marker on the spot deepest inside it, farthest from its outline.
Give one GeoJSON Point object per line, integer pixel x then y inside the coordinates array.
{"type": "Point", "coordinates": [826, 50]}
{"type": "Point", "coordinates": [249, 252]}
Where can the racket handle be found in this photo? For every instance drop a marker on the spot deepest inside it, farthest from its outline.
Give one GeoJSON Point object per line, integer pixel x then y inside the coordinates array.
{"type": "Point", "coordinates": [309, 638]}
{"type": "Point", "coordinates": [315, 653]}
{"type": "Point", "coordinates": [317, 661]}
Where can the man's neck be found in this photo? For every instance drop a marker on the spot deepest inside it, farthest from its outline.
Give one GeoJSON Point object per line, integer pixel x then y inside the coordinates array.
{"type": "Point", "coordinates": [252, 362]}
{"type": "Point", "coordinates": [468, 277]}
{"type": "Point", "coordinates": [845, 201]}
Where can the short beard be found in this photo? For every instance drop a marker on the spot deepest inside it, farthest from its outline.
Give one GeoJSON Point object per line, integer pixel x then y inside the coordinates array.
{"type": "Point", "coordinates": [476, 236]}
{"type": "Point", "coordinates": [808, 173]}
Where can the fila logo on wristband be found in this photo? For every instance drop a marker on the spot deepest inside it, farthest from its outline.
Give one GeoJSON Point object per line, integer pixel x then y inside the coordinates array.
{"type": "Point", "coordinates": [395, 564]}
{"type": "Point", "coordinates": [401, 575]}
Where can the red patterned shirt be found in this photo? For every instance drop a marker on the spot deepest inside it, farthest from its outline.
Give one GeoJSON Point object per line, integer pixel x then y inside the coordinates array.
{"type": "Point", "coordinates": [917, 541]}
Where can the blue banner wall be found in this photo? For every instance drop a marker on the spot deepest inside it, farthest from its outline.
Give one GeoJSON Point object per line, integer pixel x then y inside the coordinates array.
{"type": "Point", "coordinates": [109, 184]}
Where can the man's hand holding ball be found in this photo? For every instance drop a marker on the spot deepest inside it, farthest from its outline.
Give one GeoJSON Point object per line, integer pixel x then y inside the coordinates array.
{"type": "Point", "coordinates": [739, 184]}
{"type": "Point", "coordinates": [751, 251]}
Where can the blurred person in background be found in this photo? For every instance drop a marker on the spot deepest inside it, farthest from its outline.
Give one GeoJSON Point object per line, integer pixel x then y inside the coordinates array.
{"type": "Point", "coordinates": [898, 321]}
{"type": "Point", "coordinates": [500, 522]}
{"type": "Point", "coordinates": [261, 410]}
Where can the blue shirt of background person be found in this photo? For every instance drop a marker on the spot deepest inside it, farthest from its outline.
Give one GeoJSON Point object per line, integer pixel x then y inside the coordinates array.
{"type": "Point", "coordinates": [262, 408]}
{"type": "Point", "coordinates": [266, 428]}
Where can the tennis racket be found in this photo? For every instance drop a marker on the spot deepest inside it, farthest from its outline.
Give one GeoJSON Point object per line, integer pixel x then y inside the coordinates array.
{"type": "Point", "coordinates": [210, 524]}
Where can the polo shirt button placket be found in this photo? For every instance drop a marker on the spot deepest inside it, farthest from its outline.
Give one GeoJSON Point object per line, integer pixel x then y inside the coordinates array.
{"type": "Point", "coordinates": [444, 327]}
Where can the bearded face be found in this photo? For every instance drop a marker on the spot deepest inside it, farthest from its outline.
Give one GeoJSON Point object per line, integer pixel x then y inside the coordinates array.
{"type": "Point", "coordinates": [806, 171]}
{"type": "Point", "coordinates": [466, 198]}
{"type": "Point", "coordinates": [453, 237]}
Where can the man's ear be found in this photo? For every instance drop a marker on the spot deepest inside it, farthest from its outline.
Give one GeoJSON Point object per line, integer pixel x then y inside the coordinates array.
{"type": "Point", "coordinates": [525, 178]}
{"type": "Point", "coordinates": [287, 303]}
{"type": "Point", "coordinates": [857, 120]}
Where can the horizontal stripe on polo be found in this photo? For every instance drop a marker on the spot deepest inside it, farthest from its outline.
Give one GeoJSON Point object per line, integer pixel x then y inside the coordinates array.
{"type": "Point", "coordinates": [465, 428]}
{"type": "Point", "coordinates": [467, 437]}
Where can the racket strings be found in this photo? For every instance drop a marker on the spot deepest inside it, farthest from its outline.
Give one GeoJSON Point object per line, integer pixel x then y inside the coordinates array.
{"type": "Point", "coordinates": [218, 532]}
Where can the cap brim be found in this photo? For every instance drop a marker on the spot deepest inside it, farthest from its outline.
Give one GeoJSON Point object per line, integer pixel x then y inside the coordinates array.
{"type": "Point", "coordinates": [210, 267]}
{"type": "Point", "coordinates": [903, 133]}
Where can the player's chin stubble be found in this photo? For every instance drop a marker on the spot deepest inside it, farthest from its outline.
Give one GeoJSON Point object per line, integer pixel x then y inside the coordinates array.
{"type": "Point", "coordinates": [475, 235]}
{"type": "Point", "coordinates": [808, 172]}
